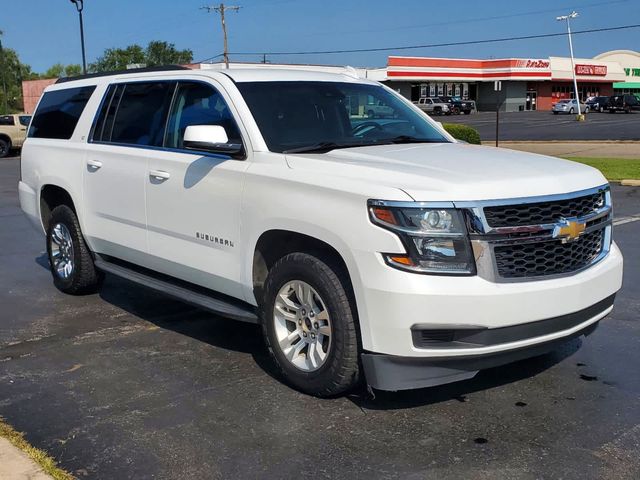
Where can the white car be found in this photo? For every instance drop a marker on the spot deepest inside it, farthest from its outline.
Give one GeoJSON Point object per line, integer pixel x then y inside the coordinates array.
{"type": "Point", "coordinates": [381, 251]}
{"type": "Point", "coordinates": [569, 106]}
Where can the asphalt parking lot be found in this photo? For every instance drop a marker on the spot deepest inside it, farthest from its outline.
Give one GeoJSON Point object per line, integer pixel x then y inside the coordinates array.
{"type": "Point", "coordinates": [129, 384]}
{"type": "Point", "coordinates": [546, 126]}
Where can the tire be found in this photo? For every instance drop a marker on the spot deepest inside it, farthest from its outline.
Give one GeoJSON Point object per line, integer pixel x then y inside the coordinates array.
{"type": "Point", "coordinates": [81, 277]}
{"type": "Point", "coordinates": [339, 371]}
{"type": "Point", "coordinates": [586, 110]}
{"type": "Point", "coordinates": [5, 147]}
{"type": "Point", "coordinates": [555, 113]}
{"type": "Point", "coordinates": [437, 111]}
{"type": "Point", "coordinates": [571, 111]}
{"type": "Point", "coordinates": [611, 110]}
{"type": "Point", "coordinates": [456, 111]}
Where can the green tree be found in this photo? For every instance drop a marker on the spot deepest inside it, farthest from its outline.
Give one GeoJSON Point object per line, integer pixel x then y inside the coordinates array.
{"type": "Point", "coordinates": [59, 70]}
{"type": "Point", "coordinates": [13, 72]}
{"type": "Point", "coordinates": [118, 58]}
{"type": "Point", "coordinates": [164, 53]}
{"type": "Point", "coordinates": [156, 53]}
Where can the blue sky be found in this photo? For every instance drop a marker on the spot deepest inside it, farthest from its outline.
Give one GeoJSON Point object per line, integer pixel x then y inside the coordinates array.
{"type": "Point", "coordinates": [45, 32]}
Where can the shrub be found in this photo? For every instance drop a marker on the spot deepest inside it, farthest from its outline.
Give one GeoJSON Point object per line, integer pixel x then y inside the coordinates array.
{"type": "Point", "coordinates": [463, 132]}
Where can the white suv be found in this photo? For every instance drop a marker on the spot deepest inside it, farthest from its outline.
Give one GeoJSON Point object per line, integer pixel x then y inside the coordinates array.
{"type": "Point", "coordinates": [367, 249]}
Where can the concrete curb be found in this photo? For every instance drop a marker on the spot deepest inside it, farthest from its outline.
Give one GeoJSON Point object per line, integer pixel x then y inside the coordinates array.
{"type": "Point", "coordinates": [630, 183]}
{"type": "Point", "coordinates": [16, 465]}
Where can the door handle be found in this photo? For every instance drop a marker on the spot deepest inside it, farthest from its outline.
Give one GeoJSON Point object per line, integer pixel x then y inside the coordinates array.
{"type": "Point", "coordinates": [159, 175]}
{"type": "Point", "coordinates": [95, 164]}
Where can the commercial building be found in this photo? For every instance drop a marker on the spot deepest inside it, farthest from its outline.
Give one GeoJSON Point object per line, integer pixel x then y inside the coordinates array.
{"type": "Point", "coordinates": [526, 83]}
{"type": "Point", "coordinates": [630, 62]}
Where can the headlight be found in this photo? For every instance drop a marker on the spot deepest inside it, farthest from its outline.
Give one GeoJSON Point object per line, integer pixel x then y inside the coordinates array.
{"type": "Point", "coordinates": [435, 239]}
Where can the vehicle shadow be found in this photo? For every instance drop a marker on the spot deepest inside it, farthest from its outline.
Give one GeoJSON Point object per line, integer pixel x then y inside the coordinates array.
{"type": "Point", "coordinates": [177, 316]}
{"type": "Point", "coordinates": [222, 333]}
{"type": "Point", "coordinates": [484, 380]}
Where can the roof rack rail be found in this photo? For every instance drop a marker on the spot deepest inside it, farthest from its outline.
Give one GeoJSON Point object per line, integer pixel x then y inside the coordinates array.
{"type": "Point", "coordinates": [161, 68]}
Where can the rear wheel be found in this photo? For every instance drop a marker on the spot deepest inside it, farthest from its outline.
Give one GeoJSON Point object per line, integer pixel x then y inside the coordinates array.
{"type": "Point", "coordinates": [5, 147]}
{"type": "Point", "coordinates": [309, 326]}
{"type": "Point", "coordinates": [70, 260]}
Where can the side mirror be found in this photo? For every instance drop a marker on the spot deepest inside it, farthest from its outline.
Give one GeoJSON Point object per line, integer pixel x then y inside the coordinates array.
{"type": "Point", "coordinates": [210, 138]}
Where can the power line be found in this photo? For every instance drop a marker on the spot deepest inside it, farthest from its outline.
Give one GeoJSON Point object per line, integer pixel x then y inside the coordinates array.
{"type": "Point", "coordinates": [221, 9]}
{"type": "Point", "coordinates": [434, 45]}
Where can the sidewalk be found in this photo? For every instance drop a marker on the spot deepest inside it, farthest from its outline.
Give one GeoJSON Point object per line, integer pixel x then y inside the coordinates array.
{"type": "Point", "coordinates": [16, 465]}
{"type": "Point", "coordinates": [593, 149]}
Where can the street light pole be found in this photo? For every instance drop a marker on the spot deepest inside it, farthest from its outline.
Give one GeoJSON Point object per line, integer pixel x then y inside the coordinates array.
{"type": "Point", "coordinates": [80, 6]}
{"type": "Point", "coordinates": [567, 18]}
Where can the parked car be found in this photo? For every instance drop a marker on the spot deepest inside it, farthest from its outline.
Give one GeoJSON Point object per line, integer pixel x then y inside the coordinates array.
{"type": "Point", "coordinates": [457, 105]}
{"type": "Point", "coordinates": [434, 105]}
{"type": "Point", "coordinates": [569, 106]}
{"type": "Point", "coordinates": [598, 104]}
{"type": "Point", "coordinates": [13, 131]}
{"type": "Point", "coordinates": [378, 109]}
{"type": "Point", "coordinates": [623, 103]}
{"type": "Point", "coordinates": [381, 250]}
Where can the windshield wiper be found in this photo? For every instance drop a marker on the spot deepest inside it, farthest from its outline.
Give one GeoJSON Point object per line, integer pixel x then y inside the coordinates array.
{"type": "Point", "coordinates": [410, 139]}
{"type": "Point", "coordinates": [322, 147]}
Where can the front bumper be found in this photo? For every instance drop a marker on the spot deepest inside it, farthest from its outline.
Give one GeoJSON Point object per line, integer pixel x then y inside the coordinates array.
{"type": "Point", "coordinates": [389, 372]}
{"type": "Point", "coordinates": [392, 302]}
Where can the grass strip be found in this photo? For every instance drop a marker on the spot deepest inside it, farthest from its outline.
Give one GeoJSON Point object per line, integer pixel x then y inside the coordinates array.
{"type": "Point", "coordinates": [47, 463]}
{"type": "Point", "coordinates": [614, 169]}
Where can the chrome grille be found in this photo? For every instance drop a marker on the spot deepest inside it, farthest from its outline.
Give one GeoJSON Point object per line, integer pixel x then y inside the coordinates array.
{"type": "Point", "coordinates": [551, 257]}
{"type": "Point", "coordinates": [542, 212]}
{"type": "Point", "coordinates": [535, 238]}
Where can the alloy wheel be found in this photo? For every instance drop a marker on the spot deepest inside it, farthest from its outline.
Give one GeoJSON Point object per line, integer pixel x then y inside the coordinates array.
{"type": "Point", "coordinates": [302, 326]}
{"type": "Point", "coordinates": [61, 251]}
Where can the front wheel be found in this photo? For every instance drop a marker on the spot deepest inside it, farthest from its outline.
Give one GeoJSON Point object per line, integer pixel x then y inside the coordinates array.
{"type": "Point", "coordinates": [70, 260]}
{"type": "Point", "coordinates": [309, 325]}
{"type": "Point", "coordinates": [5, 147]}
{"type": "Point", "coordinates": [571, 111]}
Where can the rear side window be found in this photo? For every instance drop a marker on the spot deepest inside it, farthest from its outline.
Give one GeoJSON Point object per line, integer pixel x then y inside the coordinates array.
{"type": "Point", "coordinates": [24, 120]}
{"type": "Point", "coordinates": [7, 120]}
{"type": "Point", "coordinates": [58, 113]}
{"type": "Point", "coordinates": [137, 114]}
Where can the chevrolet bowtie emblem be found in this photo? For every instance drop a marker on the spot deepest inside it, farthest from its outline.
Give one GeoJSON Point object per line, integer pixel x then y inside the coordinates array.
{"type": "Point", "coordinates": [568, 230]}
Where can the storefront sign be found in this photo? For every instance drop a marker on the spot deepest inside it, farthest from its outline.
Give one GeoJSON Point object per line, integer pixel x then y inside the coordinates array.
{"type": "Point", "coordinates": [592, 70]}
{"type": "Point", "coordinates": [536, 64]}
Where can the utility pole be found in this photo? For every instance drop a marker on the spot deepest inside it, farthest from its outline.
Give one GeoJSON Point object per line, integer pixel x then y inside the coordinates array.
{"type": "Point", "coordinates": [4, 82]}
{"type": "Point", "coordinates": [221, 9]}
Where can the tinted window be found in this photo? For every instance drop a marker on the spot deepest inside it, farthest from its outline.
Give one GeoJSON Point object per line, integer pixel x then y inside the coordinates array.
{"type": "Point", "coordinates": [58, 112]}
{"type": "Point", "coordinates": [7, 120]}
{"type": "Point", "coordinates": [141, 114]}
{"type": "Point", "coordinates": [104, 124]}
{"type": "Point", "coordinates": [198, 104]}
{"type": "Point", "coordinates": [24, 120]}
{"type": "Point", "coordinates": [294, 115]}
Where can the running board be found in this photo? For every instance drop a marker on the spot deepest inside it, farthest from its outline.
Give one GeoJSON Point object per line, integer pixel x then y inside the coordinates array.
{"type": "Point", "coordinates": [218, 306]}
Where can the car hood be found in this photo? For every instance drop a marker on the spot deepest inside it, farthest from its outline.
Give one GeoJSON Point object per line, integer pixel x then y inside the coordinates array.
{"type": "Point", "coordinates": [450, 171]}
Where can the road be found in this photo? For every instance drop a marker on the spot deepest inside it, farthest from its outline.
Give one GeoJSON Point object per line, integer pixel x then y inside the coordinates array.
{"type": "Point", "coordinates": [129, 384]}
{"type": "Point", "coordinates": [545, 126]}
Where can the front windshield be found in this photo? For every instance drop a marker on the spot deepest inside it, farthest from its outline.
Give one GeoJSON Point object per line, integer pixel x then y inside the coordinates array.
{"type": "Point", "coordinates": [296, 115]}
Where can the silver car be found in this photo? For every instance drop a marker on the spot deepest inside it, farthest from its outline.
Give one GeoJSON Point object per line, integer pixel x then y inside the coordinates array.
{"type": "Point", "coordinates": [569, 106]}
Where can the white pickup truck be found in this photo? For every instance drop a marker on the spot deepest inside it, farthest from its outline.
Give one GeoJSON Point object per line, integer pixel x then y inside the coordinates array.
{"type": "Point", "coordinates": [369, 250]}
